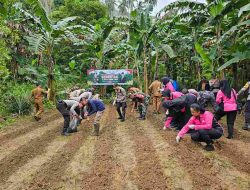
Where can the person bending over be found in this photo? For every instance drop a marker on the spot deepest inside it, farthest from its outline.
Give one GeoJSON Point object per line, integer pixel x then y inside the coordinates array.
{"type": "Point", "coordinates": [143, 101]}
{"type": "Point", "coordinates": [91, 107]}
{"type": "Point", "coordinates": [175, 112]}
{"type": "Point", "coordinates": [203, 127]}
{"type": "Point", "coordinates": [67, 108]}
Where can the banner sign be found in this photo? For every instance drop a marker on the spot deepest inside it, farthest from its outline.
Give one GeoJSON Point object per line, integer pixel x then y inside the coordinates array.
{"type": "Point", "coordinates": [110, 77]}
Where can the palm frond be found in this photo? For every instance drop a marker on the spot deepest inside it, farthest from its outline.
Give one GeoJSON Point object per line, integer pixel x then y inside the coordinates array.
{"type": "Point", "coordinates": [41, 13]}
{"type": "Point", "coordinates": [37, 42]}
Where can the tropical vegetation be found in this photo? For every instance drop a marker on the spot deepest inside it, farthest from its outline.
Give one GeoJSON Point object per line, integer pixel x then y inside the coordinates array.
{"type": "Point", "coordinates": [55, 42]}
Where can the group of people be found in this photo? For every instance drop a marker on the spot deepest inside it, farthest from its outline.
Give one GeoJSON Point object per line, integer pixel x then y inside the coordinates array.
{"type": "Point", "coordinates": [186, 111]}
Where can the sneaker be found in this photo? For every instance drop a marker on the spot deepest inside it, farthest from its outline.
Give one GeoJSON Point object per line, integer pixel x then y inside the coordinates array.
{"type": "Point", "coordinates": [119, 118]}
{"type": "Point", "coordinates": [209, 147]}
{"type": "Point", "coordinates": [229, 137]}
{"type": "Point", "coordinates": [142, 118]}
{"type": "Point", "coordinates": [122, 120]}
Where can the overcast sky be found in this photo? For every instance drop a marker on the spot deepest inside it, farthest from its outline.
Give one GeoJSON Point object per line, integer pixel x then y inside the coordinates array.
{"type": "Point", "coordinates": [162, 3]}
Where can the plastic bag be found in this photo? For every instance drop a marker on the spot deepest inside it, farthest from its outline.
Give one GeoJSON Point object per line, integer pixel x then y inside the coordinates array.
{"type": "Point", "coordinates": [73, 123]}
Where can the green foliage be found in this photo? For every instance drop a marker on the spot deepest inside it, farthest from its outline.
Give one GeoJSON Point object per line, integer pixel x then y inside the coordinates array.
{"type": "Point", "coordinates": [202, 53]}
{"type": "Point", "coordinates": [168, 50]}
{"type": "Point", "coordinates": [41, 13]}
{"type": "Point", "coordinates": [18, 99]}
{"type": "Point", "coordinates": [89, 11]}
{"type": "Point", "coordinates": [238, 56]}
{"type": "Point", "coordinates": [5, 57]}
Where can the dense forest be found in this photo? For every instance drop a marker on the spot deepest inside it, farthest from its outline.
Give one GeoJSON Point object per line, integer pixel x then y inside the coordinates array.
{"type": "Point", "coordinates": [55, 42]}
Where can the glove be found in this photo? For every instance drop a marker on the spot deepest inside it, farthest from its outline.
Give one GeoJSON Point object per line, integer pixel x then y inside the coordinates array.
{"type": "Point", "coordinates": [167, 111]}
{"type": "Point", "coordinates": [178, 139]}
{"type": "Point", "coordinates": [191, 126]}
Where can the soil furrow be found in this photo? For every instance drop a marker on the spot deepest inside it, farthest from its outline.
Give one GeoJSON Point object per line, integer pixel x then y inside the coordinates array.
{"type": "Point", "coordinates": [178, 178]}
{"type": "Point", "coordinates": [50, 174]}
{"type": "Point", "coordinates": [189, 157]}
{"type": "Point", "coordinates": [237, 157]}
{"type": "Point", "coordinates": [23, 177]}
{"type": "Point", "coordinates": [81, 163]}
{"type": "Point", "coordinates": [18, 130]}
{"type": "Point", "coordinates": [148, 173]}
{"type": "Point", "coordinates": [19, 157]}
{"type": "Point", "coordinates": [124, 153]}
{"type": "Point", "coordinates": [231, 178]}
{"type": "Point", "coordinates": [101, 174]}
{"type": "Point", "coordinates": [14, 144]}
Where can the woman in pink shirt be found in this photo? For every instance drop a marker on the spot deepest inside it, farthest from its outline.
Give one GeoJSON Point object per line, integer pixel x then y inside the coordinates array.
{"type": "Point", "coordinates": [228, 96]}
{"type": "Point", "coordinates": [168, 95]}
{"type": "Point", "coordinates": [167, 84]}
{"type": "Point", "coordinates": [203, 126]}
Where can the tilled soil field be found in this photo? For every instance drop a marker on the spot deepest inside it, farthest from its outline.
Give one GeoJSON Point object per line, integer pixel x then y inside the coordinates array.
{"type": "Point", "coordinates": [126, 156]}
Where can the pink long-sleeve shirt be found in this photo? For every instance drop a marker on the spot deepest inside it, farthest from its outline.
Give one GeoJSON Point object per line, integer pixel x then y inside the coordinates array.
{"type": "Point", "coordinates": [169, 119]}
{"type": "Point", "coordinates": [175, 95]}
{"type": "Point", "coordinates": [169, 86]}
{"type": "Point", "coordinates": [205, 121]}
{"type": "Point", "coordinates": [229, 103]}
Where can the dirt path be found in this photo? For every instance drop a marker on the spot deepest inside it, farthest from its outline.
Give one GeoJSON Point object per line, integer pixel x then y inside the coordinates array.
{"type": "Point", "coordinates": [128, 155]}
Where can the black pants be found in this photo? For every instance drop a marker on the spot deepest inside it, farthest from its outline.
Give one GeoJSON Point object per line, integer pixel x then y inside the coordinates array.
{"type": "Point", "coordinates": [247, 112]}
{"type": "Point", "coordinates": [207, 136]}
{"type": "Point", "coordinates": [122, 105]}
{"type": "Point", "coordinates": [178, 120]}
{"type": "Point", "coordinates": [231, 116]}
{"type": "Point", "coordinates": [62, 108]}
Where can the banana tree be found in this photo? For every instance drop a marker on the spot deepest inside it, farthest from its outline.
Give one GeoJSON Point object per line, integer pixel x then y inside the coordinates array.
{"type": "Point", "coordinates": [46, 37]}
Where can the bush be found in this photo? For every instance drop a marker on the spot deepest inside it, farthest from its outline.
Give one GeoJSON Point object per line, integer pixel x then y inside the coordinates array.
{"type": "Point", "coordinates": [18, 99]}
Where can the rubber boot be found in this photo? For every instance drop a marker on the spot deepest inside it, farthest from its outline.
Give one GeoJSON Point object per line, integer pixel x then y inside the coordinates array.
{"type": "Point", "coordinates": [123, 117]}
{"type": "Point", "coordinates": [230, 131]}
{"type": "Point", "coordinates": [72, 130]}
{"type": "Point", "coordinates": [65, 133]}
{"type": "Point", "coordinates": [96, 129]}
{"type": "Point", "coordinates": [142, 118]}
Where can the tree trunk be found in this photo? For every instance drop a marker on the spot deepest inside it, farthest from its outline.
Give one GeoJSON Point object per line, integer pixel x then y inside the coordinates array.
{"type": "Point", "coordinates": [235, 77]}
{"type": "Point", "coordinates": [156, 64]}
{"type": "Point", "coordinates": [149, 70]}
{"type": "Point", "coordinates": [220, 60]}
{"type": "Point", "coordinates": [145, 71]}
{"type": "Point", "coordinates": [167, 66]}
{"type": "Point", "coordinates": [51, 79]}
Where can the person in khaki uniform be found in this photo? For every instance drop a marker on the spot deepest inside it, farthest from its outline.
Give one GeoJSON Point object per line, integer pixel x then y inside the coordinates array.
{"type": "Point", "coordinates": [38, 93]}
{"type": "Point", "coordinates": [154, 88]}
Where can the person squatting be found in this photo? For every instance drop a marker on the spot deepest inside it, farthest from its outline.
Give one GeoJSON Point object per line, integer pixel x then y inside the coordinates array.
{"type": "Point", "coordinates": [192, 111]}
{"type": "Point", "coordinates": [187, 112]}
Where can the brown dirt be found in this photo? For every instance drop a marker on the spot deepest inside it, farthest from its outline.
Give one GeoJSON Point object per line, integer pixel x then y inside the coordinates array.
{"type": "Point", "coordinates": [22, 128]}
{"type": "Point", "coordinates": [131, 155]}
{"type": "Point", "coordinates": [101, 174]}
{"type": "Point", "coordinates": [148, 173]}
